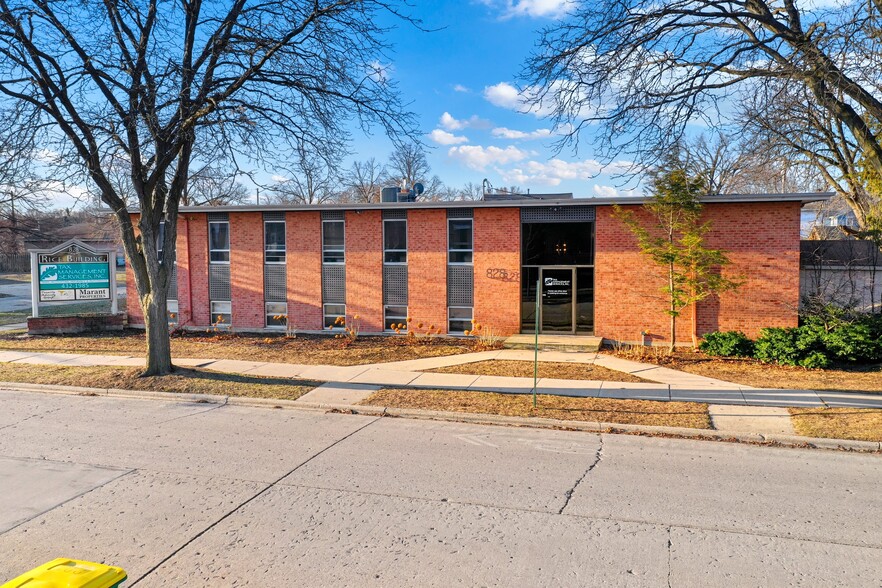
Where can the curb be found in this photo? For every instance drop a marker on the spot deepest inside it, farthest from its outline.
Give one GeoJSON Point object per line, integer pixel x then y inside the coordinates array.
{"type": "Point", "coordinates": [462, 417]}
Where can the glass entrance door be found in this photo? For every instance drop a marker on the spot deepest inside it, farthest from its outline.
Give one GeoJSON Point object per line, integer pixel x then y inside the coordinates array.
{"type": "Point", "coordinates": [557, 300]}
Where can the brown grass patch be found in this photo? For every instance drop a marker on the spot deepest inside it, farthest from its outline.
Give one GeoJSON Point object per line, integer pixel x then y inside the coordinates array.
{"type": "Point", "coordinates": [184, 380]}
{"type": "Point", "coordinates": [862, 424]}
{"type": "Point", "coordinates": [639, 412]}
{"type": "Point", "coordinates": [750, 372]}
{"type": "Point", "coordinates": [303, 349]}
{"type": "Point", "coordinates": [547, 369]}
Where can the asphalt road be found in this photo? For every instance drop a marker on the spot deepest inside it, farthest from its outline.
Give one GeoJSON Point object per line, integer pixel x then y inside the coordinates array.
{"type": "Point", "coordinates": [183, 494]}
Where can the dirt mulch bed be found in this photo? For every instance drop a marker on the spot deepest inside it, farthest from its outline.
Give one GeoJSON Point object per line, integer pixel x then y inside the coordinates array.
{"type": "Point", "coordinates": [547, 369]}
{"type": "Point", "coordinates": [751, 372]}
{"type": "Point", "coordinates": [192, 381]}
{"type": "Point", "coordinates": [303, 349]}
{"type": "Point", "coordinates": [638, 412]}
{"type": "Point", "coordinates": [862, 424]}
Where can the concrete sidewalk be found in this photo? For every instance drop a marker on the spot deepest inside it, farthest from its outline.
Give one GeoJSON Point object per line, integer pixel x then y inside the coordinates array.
{"type": "Point", "coordinates": [677, 386]}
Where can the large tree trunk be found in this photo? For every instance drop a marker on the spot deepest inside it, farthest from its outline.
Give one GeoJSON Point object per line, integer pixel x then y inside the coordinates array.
{"type": "Point", "coordinates": [158, 343]}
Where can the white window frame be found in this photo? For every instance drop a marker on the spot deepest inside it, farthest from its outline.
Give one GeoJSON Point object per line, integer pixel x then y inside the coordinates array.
{"type": "Point", "coordinates": [283, 252]}
{"type": "Point", "coordinates": [172, 309]}
{"type": "Point", "coordinates": [400, 319]}
{"type": "Point", "coordinates": [227, 250]}
{"type": "Point", "coordinates": [325, 316]}
{"type": "Point", "coordinates": [395, 220]}
{"type": "Point", "coordinates": [214, 313]}
{"type": "Point", "coordinates": [343, 250]}
{"type": "Point", "coordinates": [471, 221]}
{"type": "Point", "coordinates": [459, 331]}
{"type": "Point", "coordinates": [268, 314]}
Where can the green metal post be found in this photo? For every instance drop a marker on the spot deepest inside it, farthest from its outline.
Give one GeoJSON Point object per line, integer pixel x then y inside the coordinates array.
{"type": "Point", "coordinates": [536, 343]}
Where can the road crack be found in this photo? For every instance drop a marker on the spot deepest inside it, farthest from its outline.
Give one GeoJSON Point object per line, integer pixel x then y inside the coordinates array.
{"type": "Point", "coordinates": [569, 493]}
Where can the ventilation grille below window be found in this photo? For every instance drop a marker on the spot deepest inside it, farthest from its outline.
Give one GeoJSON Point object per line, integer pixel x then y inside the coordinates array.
{"type": "Point", "coordinates": [173, 283]}
{"type": "Point", "coordinates": [219, 282]}
{"type": "Point", "coordinates": [460, 285]}
{"type": "Point", "coordinates": [274, 283]}
{"type": "Point", "coordinates": [460, 212]}
{"type": "Point", "coordinates": [333, 284]}
{"type": "Point", "coordinates": [333, 215]}
{"type": "Point", "coordinates": [274, 216]}
{"type": "Point", "coordinates": [557, 214]}
{"type": "Point", "coordinates": [218, 216]}
{"type": "Point", "coordinates": [395, 285]}
{"type": "Point", "coordinates": [394, 214]}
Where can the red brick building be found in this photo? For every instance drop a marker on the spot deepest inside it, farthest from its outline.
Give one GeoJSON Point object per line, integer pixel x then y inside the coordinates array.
{"type": "Point", "coordinates": [446, 263]}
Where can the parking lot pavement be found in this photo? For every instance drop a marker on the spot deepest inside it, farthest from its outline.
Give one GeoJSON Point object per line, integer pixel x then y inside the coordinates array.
{"type": "Point", "coordinates": [188, 494]}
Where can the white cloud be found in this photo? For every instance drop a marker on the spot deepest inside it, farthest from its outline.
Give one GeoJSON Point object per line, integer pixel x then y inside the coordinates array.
{"type": "Point", "coordinates": [612, 191]}
{"type": "Point", "coordinates": [515, 135]}
{"type": "Point", "coordinates": [478, 157]}
{"type": "Point", "coordinates": [278, 178]}
{"type": "Point", "coordinates": [555, 171]}
{"type": "Point", "coordinates": [505, 95]}
{"type": "Point", "coordinates": [532, 8]}
{"type": "Point", "coordinates": [380, 72]}
{"type": "Point", "coordinates": [454, 124]}
{"type": "Point", "coordinates": [444, 138]}
{"type": "Point", "coordinates": [461, 88]}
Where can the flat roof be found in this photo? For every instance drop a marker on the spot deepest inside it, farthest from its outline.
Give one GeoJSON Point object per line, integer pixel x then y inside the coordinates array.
{"type": "Point", "coordinates": [802, 197]}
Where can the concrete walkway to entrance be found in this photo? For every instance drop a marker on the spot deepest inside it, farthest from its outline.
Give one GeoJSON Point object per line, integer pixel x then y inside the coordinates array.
{"type": "Point", "coordinates": [672, 385]}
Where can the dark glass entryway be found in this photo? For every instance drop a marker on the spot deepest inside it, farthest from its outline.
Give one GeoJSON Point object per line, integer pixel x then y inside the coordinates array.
{"type": "Point", "coordinates": [559, 257]}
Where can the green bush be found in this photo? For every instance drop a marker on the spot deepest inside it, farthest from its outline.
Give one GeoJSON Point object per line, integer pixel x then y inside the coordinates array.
{"type": "Point", "coordinates": [802, 346]}
{"type": "Point", "coordinates": [727, 344]}
{"type": "Point", "coordinates": [856, 342]}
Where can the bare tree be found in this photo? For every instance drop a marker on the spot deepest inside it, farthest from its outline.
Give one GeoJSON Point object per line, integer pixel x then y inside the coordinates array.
{"type": "Point", "coordinates": [646, 69]}
{"type": "Point", "coordinates": [408, 165]}
{"type": "Point", "coordinates": [210, 186]}
{"type": "Point", "coordinates": [166, 87]}
{"type": "Point", "coordinates": [471, 191]}
{"type": "Point", "coordinates": [311, 179]}
{"type": "Point", "coordinates": [364, 180]}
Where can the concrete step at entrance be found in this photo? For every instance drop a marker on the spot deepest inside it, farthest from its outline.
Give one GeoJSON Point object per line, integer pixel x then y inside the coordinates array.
{"type": "Point", "coordinates": [555, 342]}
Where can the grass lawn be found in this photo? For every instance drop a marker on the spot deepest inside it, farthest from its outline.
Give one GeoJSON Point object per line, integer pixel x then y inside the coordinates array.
{"type": "Point", "coordinates": [863, 424]}
{"type": "Point", "coordinates": [547, 369]}
{"type": "Point", "coordinates": [14, 278]}
{"type": "Point", "coordinates": [194, 381]}
{"type": "Point", "coordinates": [11, 318]}
{"type": "Point", "coordinates": [639, 412]}
{"type": "Point", "coordinates": [751, 372]}
{"type": "Point", "coordinates": [303, 349]}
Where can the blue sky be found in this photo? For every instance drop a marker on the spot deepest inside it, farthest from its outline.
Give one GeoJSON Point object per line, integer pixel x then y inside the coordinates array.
{"type": "Point", "coordinates": [460, 82]}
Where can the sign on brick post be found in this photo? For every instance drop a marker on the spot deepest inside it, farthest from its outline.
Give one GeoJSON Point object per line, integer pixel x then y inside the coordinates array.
{"type": "Point", "coordinates": [70, 273]}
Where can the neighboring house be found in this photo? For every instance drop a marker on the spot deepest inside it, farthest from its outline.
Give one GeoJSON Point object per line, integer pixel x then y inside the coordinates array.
{"type": "Point", "coordinates": [846, 273]}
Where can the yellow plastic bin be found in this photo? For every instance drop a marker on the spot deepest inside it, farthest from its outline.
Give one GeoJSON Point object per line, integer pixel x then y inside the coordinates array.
{"type": "Point", "coordinates": [69, 573]}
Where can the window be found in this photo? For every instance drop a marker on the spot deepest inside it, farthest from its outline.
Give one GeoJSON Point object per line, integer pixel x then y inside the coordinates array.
{"type": "Point", "coordinates": [335, 316]}
{"type": "Point", "coordinates": [333, 241]}
{"type": "Point", "coordinates": [172, 309]}
{"type": "Point", "coordinates": [395, 315]}
{"type": "Point", "coordinates": [459, 240]}
{"type": "Point", "coordinates": [276, 314]}
{"type": "Point", "coordinates": [395, 241]}
{"type": "Point", "coordinates": [219, 241]}
{"type": "Point", "coordinates": [221, 314]}
{"type": "Point", "coordinates": [274, 242]}
{"type": "Point", "coordinates": [160, 240]}
{"type": "Point", "coordinates": [459, 319]}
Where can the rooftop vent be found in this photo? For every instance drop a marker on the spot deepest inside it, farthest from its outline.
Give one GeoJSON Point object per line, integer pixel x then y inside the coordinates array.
{"type": "Point", "coordinates": [396, 194]}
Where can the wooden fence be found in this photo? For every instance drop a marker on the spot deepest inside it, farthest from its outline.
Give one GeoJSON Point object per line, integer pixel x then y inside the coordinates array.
{"type": "Point", "coordinates": [15, 262]}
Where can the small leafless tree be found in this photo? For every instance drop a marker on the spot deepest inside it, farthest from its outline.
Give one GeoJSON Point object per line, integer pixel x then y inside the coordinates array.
{"type": "Point", "coordinates": [310, 179]}
{"type": "Point", "coordinates": [211, 186]}
{"type": "Point", "coordinates": [158, 89]}
{"type": "Point", "coordinates": [408, 165]}
{"type": "Point", "coordinates": [364, 180]}
{"type": "Point", "coordinates": [646, 70]}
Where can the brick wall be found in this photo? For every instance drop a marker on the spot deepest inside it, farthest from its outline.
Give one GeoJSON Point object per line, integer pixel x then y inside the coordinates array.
{"type": "Point", "coordinates": [198, 269]}
{"type": "Point", "coordinates": [133, 301]}
{"type": "Point", "coordinates": [183, 242]}
{"type": "Point", "coordinates": [246, 269]}
{"type": "Point", "coordinates": [427, 267]}
{"type": "Point", "coordinates": [763, 244]}
{"type": "Point", "coordinates": [364, 268]}
{"type": "Point", "coordinates": [498, 246]}
{"type": "Point", "coordinates": [303, 240]}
